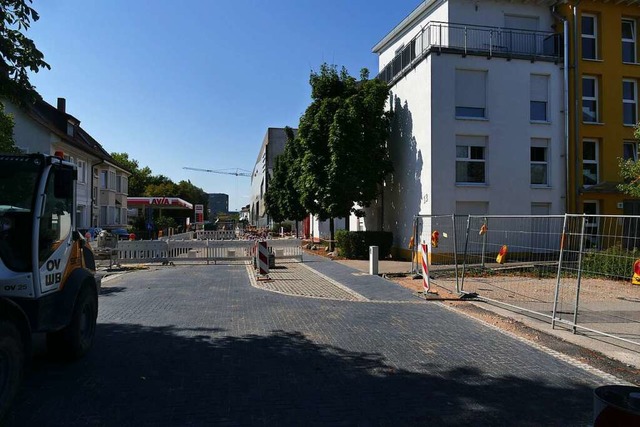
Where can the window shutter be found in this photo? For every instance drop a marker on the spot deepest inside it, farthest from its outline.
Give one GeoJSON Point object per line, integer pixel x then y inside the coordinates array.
{"type": "Point", "coordinates": [470, 88]}
{"type": "Point", "coordinates": [539, 88]}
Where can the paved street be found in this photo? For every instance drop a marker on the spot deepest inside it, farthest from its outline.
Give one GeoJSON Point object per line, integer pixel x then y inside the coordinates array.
{"type": "Point", "coordinates": [199, 345]}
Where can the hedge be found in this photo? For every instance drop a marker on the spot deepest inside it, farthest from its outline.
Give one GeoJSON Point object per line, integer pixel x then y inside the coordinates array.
{"type": "Point", "coordinates": [355, 244]}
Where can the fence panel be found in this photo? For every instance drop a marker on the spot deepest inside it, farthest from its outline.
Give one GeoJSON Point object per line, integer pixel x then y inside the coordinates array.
{"type": "Point", "coordinates": [596, 271]}
{"type": "Point", "coordinates": [141, 251]}
{"type": "Point", "coordinates": [286, 248]}
{"type": "Point", "coordinates": [513, 260]}
{"type": "Point", "coordinates": [230, 250]}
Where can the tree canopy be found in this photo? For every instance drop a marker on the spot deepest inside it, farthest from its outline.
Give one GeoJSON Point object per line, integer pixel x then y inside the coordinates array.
{"type": "Point", "coordinates": [339, 157]}
{"type": "Point", "coordinates": [630, 172]}
{"type": "Point", "coordinates": [18, 55]}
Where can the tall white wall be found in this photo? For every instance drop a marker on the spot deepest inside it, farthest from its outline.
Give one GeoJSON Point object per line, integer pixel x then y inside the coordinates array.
{"type": "Point", "coordinates": [491, 13]}
{"type": "Point", "coordinates": [508, 129]}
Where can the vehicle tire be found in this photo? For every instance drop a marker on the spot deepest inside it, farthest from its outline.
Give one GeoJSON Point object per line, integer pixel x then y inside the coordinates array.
{"type": "Point", "coordinates": [12, 360]}
{"type": "Point", "coordinates": [73, 341]}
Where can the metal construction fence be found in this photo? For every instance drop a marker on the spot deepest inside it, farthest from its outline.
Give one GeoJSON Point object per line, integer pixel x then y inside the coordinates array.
{"type": "Point", "coordinates": [574, 270]}
{"type": "Point", "coordinates": [147, 251]}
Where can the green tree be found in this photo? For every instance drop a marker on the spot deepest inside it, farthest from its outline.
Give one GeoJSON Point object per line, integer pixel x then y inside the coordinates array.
{"type": "Point", "coordinates": [342, 140]}
{"type": "Point", "coordinates": [18, 55]}
{"type": "Point", "coordinates": [7, 144]}
{"type": "Point", "coordinates": [630, 172]}
{"type": "Point", "coordinates": [282, 198]}
{"type": "Point", "coordinates": [140, 177]}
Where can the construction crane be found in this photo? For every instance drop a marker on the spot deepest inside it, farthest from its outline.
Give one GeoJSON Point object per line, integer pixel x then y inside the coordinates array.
{"type": "Point", "coordinates": [238, 172]}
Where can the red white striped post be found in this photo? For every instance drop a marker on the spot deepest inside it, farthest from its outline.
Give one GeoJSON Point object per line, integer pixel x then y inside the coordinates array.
{"type": "Point", "coordinates": [262, 256]}
{"type": "Point", "coordinates": [425, 268]}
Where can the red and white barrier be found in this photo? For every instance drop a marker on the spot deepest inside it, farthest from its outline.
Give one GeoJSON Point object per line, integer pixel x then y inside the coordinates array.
{"type": "Point", "coordinates": [262, 258]}
{"type": "Point", "coordinates": [425, 268]}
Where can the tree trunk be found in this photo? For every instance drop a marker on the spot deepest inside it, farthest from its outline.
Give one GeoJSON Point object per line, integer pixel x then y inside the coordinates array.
{"type": "Point", "coordinates": [297, 232]}
{"type": "Point", "coordinates": [332, 232]}
{"type": "Point", "coordinates": [347, 226]}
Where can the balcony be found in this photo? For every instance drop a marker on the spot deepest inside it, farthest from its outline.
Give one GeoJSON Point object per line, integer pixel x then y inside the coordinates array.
{"type": "Point", "coordinates": [443, 37]}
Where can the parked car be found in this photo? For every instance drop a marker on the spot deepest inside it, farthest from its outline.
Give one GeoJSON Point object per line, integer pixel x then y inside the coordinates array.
{"type": "Point", "coordinates": [121, 233]}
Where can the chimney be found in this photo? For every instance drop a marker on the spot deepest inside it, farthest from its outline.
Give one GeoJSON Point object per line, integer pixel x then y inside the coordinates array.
{"type": "Point", "coordinates": [62, 105]}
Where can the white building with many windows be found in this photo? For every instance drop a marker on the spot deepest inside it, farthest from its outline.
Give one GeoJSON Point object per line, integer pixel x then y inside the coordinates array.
{"type": "Point", "coordinates": [478, 126]}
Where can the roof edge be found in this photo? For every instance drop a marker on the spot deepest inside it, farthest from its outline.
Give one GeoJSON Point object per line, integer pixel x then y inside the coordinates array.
{"type": "Point", "coordinates": [404, 24]}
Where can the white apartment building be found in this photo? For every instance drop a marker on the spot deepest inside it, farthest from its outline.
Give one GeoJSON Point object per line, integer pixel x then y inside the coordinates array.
{"type": "Point", "coordinates": [478, 126]}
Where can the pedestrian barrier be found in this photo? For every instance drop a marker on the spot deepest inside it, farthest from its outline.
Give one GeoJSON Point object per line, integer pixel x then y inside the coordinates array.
{"type": "Point", "coordinates": [144, 251]}
{"type": "Point", "coordinates": [262, 258]}
{"type": "Point", "coordinates": [286, 248]}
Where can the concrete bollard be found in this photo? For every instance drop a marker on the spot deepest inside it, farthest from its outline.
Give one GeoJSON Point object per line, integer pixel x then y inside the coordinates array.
{"type": "Point", "coordinates": [373, 260]}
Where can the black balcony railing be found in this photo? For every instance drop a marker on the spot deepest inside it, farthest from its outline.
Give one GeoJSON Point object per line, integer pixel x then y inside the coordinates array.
{"type": "Point", "coordinates": [474, 40]}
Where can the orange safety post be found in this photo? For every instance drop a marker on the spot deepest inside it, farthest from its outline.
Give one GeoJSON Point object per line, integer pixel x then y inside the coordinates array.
{"type": "Point", "coordinates": [502, 255]}
{"type": "Point", "coordinates": [636, 273]}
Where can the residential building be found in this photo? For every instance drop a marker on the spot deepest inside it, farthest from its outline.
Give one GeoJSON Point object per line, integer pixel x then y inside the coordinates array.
{"type": "Point", "coordinates": [102, 183]}
{"type": "Point", "coordinates": [218, 204]}
{"type": "Point", "coordinates": [272, 146]}
{"type": "Point", "coordinates": [478, 125]}
{"type": "Point", "coordinates": [603, 92]}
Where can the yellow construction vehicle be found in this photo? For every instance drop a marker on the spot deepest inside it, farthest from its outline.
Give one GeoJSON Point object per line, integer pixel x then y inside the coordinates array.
{"type": "Point", "coordinates": [47, 271]}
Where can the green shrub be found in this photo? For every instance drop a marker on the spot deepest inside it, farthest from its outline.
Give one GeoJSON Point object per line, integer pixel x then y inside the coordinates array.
{"type": "Point", "coordinates": [611, 262]}
{"type": "Point", "coordinates": [355, 244]}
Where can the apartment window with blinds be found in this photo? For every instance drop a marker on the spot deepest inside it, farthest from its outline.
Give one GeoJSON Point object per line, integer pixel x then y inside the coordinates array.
{"type": "Point", "coordinates": [470, 159]}
{"type": "Point", "coordinates": [629, 41]}
{"type": "Point", "coordinates": [589, 99]}
{"type": "Point", "coordinates": [119, 184]}
{"type": "Point", "coordinates": [539, 88]}
{"type": "Point", "coordinates": [103, 215]}
{"type": "Point", "coordinates": [589, 162]}
{"type": "Point", "coordinates": [539, 162]}
{"type": "Point", "coordinates": [589, 37]}
{"type": "Point", "coordinates": [112, 180]}
{"type": "Point", "coordinates": [629, 102]}
{"type": "Point", "coordinates": [471, 94]}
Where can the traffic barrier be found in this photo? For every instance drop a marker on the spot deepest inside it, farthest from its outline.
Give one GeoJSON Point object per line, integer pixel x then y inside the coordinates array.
{"type": "Point", "coordinates": [425, 268]}
{"type": "Point", "coordinates": [262, 258]}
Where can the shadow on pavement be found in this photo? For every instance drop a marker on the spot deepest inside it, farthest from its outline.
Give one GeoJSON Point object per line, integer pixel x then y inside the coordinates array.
{"type": "Point", "coordinates": [138, 375]}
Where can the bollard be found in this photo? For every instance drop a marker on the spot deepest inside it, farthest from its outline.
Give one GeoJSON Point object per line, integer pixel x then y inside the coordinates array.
{"type": "Point", "coordinates": [373, 260]}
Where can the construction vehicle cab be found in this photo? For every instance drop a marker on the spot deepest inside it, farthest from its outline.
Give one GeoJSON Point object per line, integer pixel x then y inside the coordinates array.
{"type": "Point", "coordinates": [47, 270]}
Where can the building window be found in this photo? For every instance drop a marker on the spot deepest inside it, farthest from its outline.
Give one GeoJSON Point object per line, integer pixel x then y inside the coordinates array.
{"type": "Point", "coordinates": [82, 171]}
{"type": "Point", "coordinates": [470, 159]}
{"type": "Point", "coordinates": [104, 179]}
{"type": "Point", "coordinates": [539, 161]}
{"type": "Point", "coordinates": [589, 37]}
{"type": "Point", "coordinates": [630, 151]}
{"type": "Point", "coordinates": [539, 88]}
{"type": "Point", "coordinates": [589, 162]}
{"type": "Point", "coordinates": [103, 215]}
{"type": "Point", "coordinates": [629, 41]}
{"type": "Point", "coordinates": [95, 195]}
{"type": "Point", "coordinates": [119, 184]}
{"type": "Point", "coordinates": [591, 224]}
{"type": "Point", "coordinates": [589, 99]}
{"type": "Point", "coordinates": [629, 102]}
{"type": "Point", "coordinates": [112, 180]}
{"type": "Point", "coordinates": [471, 94]}
{"type": "Point", "coordinates": [125, 185]}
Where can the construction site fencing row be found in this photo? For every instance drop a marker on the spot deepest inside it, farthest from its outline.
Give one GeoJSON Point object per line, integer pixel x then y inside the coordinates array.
{"type": "Point", "coordinates": [574, 270]}
{"type": "Point", "coordinates": [150, 251]}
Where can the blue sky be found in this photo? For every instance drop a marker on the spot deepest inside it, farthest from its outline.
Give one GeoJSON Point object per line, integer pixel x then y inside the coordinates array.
{"type": "Point", "coordinates": [197, 83]}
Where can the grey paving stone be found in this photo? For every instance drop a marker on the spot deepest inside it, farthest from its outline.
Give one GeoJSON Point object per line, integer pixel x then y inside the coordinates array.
{"type": "Point", "coordinates": [199, 345]}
